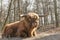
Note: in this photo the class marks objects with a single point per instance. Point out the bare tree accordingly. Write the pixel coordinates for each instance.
(7, 14)
(19, 9)
(55, 10)
(14, 8)
(0, 11)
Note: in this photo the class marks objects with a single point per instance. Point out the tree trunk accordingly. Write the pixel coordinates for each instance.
(7, 14)
(55, 10)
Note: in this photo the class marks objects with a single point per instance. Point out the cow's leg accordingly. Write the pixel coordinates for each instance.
(34, 33)
(7, 32)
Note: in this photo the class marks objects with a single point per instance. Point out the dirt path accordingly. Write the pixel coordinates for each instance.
(45, 36)
(41, 36)
(53, 34)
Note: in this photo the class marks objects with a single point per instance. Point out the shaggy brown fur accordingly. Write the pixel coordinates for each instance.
(34, 21)
(26, 27)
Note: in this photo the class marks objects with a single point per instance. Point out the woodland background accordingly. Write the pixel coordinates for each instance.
(10, 11)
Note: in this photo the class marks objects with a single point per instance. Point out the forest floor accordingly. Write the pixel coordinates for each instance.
(50, 34)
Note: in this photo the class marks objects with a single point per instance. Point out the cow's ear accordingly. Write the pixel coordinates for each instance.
(23, 15)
